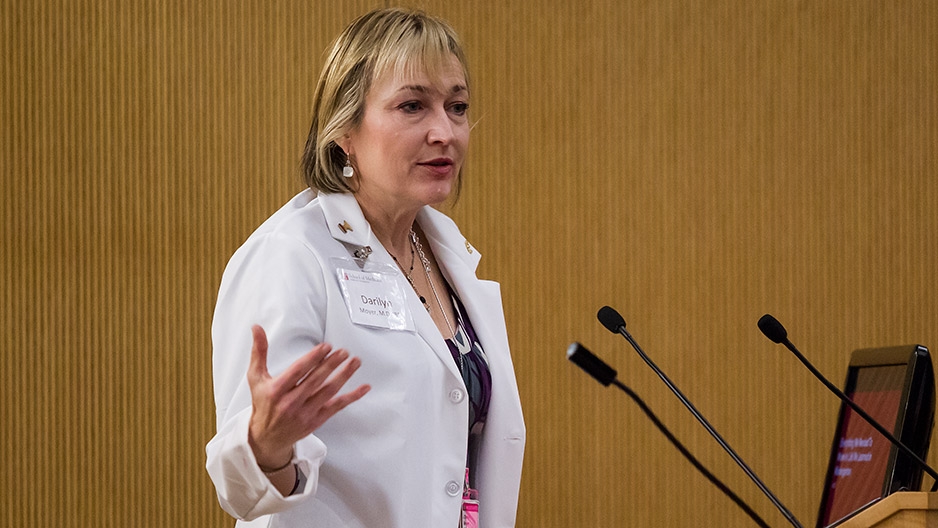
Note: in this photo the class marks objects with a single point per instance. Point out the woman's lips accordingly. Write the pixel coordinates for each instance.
(440, 166)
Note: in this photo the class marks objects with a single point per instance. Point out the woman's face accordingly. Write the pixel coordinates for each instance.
(412, 140)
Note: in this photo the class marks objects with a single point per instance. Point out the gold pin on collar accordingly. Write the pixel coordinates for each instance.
(345, 227)
(468, 247)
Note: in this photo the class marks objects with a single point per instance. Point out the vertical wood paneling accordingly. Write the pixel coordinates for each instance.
(694, 164)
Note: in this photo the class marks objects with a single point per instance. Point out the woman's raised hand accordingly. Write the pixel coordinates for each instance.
(292, 405)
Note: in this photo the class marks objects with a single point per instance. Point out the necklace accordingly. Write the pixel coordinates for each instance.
(410, 273)
(426, 268)
(461, 356)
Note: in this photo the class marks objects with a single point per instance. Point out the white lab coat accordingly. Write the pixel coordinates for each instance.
(396, 458)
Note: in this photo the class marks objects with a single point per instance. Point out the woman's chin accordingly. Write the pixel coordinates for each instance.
(438, 193)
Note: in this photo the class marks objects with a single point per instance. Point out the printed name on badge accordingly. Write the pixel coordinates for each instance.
(375, 297)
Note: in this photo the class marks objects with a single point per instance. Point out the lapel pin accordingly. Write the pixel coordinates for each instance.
(468, 247)
(345, 227)
(363, 252)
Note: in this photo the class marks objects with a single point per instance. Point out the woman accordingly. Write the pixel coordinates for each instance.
(432, 434)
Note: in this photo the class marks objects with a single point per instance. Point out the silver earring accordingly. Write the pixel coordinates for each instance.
(347, 170)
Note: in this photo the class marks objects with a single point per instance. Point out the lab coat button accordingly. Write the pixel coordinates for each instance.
(453, 488)
(455, 395)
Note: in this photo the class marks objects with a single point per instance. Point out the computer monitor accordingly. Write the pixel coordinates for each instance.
(896, 386)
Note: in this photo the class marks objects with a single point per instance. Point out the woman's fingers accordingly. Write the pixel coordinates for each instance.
(300, 399)
(322, 404)
(302, 368)
(338, 403)
(257, 369)
(319, 373)
(333, 406)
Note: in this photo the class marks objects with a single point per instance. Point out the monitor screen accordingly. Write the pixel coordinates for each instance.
(863, 453)
(896, 387)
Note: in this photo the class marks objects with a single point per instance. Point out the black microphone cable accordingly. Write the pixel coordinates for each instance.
(616, 324)
(606, 376)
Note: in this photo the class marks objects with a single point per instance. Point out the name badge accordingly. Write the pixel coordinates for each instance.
(374, 294)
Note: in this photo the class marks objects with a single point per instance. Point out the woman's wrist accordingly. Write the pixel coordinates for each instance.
(274, 470)
(287, 479)
(268, 460)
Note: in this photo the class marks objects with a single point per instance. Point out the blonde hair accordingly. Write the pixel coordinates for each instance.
(395, 41)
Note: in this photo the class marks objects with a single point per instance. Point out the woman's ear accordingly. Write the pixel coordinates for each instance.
(345, 143)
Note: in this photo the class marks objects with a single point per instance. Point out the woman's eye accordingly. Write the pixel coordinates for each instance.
(459, 108)
(410, 106)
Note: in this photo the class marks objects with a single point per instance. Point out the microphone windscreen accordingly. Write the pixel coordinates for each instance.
(772, 329)
(593, 366)
(611, 319)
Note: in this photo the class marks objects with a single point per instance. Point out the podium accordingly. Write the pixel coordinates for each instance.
(903, 509)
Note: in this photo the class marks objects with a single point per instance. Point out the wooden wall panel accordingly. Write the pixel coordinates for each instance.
(693, 164)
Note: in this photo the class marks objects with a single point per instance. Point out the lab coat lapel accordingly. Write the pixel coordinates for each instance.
(347, 224)
(345, 220)
(432, 222)
(459, 260)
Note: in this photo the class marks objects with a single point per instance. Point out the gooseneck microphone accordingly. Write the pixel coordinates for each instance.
(606, 375)
(777, 334)
(616, 324)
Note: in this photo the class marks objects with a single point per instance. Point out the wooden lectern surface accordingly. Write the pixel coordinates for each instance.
(906, 509)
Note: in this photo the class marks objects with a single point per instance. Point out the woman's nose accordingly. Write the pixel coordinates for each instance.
(441, 127)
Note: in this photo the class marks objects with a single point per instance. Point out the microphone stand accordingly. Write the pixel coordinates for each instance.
(770, 327)
(606, 376)
(620, 328)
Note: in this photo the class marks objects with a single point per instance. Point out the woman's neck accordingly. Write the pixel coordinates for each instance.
(392, 227)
